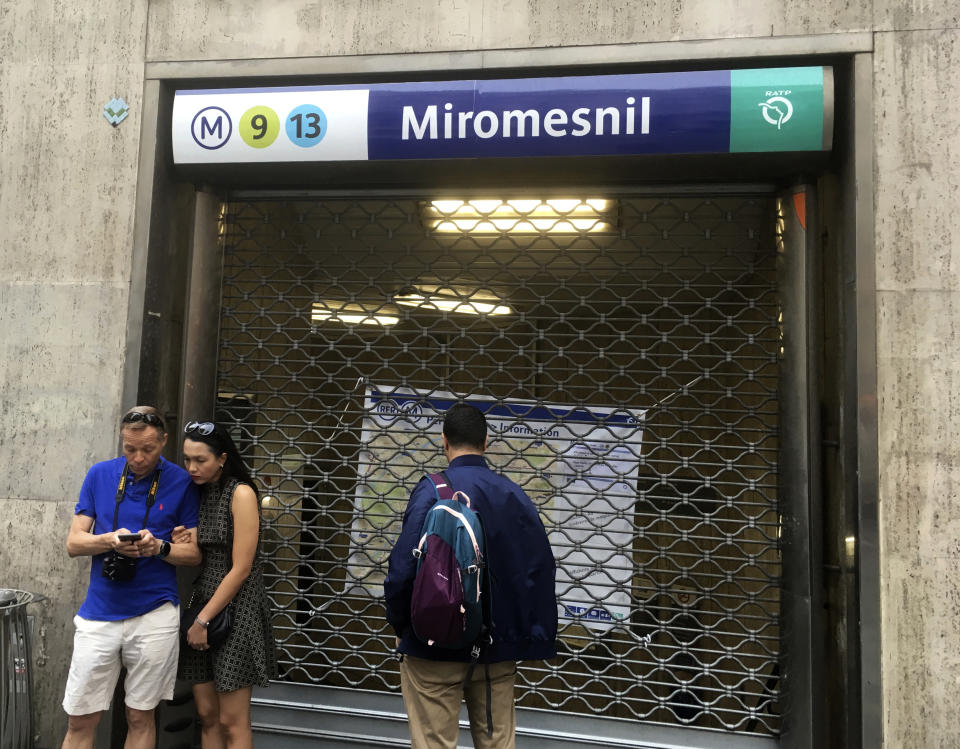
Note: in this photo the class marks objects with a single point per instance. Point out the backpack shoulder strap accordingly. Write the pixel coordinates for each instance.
(441, 485)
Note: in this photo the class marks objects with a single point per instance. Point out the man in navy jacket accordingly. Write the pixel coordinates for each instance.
(521, 576)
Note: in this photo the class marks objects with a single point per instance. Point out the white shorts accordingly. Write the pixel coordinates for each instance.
(147, 645)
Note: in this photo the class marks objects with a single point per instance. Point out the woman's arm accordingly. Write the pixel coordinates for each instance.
(246, 529)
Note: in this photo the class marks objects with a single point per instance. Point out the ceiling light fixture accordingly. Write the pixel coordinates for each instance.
(521, 216)
(446, 303)
(333, 310)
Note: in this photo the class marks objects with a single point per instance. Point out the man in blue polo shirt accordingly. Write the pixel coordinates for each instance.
(130, 617)
(521, 573)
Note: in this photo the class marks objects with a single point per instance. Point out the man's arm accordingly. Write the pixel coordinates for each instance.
(81, 542)
(184, 553)
(401, 565)
(184, 545)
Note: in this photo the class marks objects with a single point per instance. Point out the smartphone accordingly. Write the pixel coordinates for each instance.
(128, 538)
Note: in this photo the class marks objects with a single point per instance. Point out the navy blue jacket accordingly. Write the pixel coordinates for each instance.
(521, 568)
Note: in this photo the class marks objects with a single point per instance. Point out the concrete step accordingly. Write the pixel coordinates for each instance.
(291, 716)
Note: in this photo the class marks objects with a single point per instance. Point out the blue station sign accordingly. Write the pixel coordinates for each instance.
(716, 111)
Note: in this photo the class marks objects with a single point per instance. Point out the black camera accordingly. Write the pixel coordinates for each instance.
(118, 568)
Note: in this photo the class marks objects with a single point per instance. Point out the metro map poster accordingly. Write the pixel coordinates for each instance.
(578, 465)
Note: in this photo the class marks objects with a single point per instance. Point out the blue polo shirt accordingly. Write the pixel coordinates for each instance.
(177, 503)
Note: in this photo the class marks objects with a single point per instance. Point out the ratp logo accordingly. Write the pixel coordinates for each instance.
(390, 409)
(211, 128)
(777, 109)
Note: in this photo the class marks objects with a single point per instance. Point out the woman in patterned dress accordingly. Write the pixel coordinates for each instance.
(229, 536)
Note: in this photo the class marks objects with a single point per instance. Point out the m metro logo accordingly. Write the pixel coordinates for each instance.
(211, 128)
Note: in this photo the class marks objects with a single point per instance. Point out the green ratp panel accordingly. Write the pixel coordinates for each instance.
(776, 109)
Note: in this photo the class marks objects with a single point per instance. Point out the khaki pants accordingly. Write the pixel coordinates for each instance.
(432, 692)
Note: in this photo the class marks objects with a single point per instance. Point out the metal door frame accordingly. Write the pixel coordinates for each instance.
(200, 386)
(156, 209)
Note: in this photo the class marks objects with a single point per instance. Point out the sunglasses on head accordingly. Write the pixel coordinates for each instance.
(203, 428)
(134, 416)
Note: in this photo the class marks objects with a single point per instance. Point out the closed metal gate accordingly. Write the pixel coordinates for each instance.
(628, 347)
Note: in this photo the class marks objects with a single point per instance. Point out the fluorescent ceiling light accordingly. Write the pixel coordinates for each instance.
(521, 216)
(334, 310)
(448, 303)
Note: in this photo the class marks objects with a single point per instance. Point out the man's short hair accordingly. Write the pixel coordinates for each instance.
(139, 418)
(465, 426)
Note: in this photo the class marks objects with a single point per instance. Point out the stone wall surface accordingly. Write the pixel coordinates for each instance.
(912, 15)
(67, 187)
(205, 30)
(918, 333)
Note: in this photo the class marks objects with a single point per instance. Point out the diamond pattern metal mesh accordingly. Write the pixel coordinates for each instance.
(667, 306)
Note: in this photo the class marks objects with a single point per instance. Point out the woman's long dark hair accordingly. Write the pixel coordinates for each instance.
(219, 441)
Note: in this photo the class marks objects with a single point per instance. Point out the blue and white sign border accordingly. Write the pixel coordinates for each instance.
(707, 111)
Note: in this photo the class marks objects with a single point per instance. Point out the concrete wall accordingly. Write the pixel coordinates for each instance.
(67, 186)
(200, 29)
(68, 181)
(918, 283)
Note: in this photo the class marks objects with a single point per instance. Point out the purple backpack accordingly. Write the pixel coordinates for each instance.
(446, 609)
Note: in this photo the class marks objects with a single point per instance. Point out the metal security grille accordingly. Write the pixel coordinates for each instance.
(635, 338)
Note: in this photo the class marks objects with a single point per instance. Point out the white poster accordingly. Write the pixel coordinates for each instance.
(579, 466)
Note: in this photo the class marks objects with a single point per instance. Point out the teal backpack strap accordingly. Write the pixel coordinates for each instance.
(441, 485)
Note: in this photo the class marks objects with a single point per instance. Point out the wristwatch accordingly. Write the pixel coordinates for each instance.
(164, 549)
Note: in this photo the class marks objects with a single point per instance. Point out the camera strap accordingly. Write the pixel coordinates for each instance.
(122, 489)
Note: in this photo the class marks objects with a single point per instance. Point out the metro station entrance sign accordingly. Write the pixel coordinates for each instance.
(715, 111)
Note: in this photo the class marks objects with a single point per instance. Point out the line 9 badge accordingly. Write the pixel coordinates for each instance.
(259, 127)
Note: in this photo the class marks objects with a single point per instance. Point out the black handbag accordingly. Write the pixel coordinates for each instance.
(219, 628)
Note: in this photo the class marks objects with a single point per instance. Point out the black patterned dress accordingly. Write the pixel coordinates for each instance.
(248, 657)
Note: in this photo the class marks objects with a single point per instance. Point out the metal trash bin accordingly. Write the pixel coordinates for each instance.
(16, 669)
